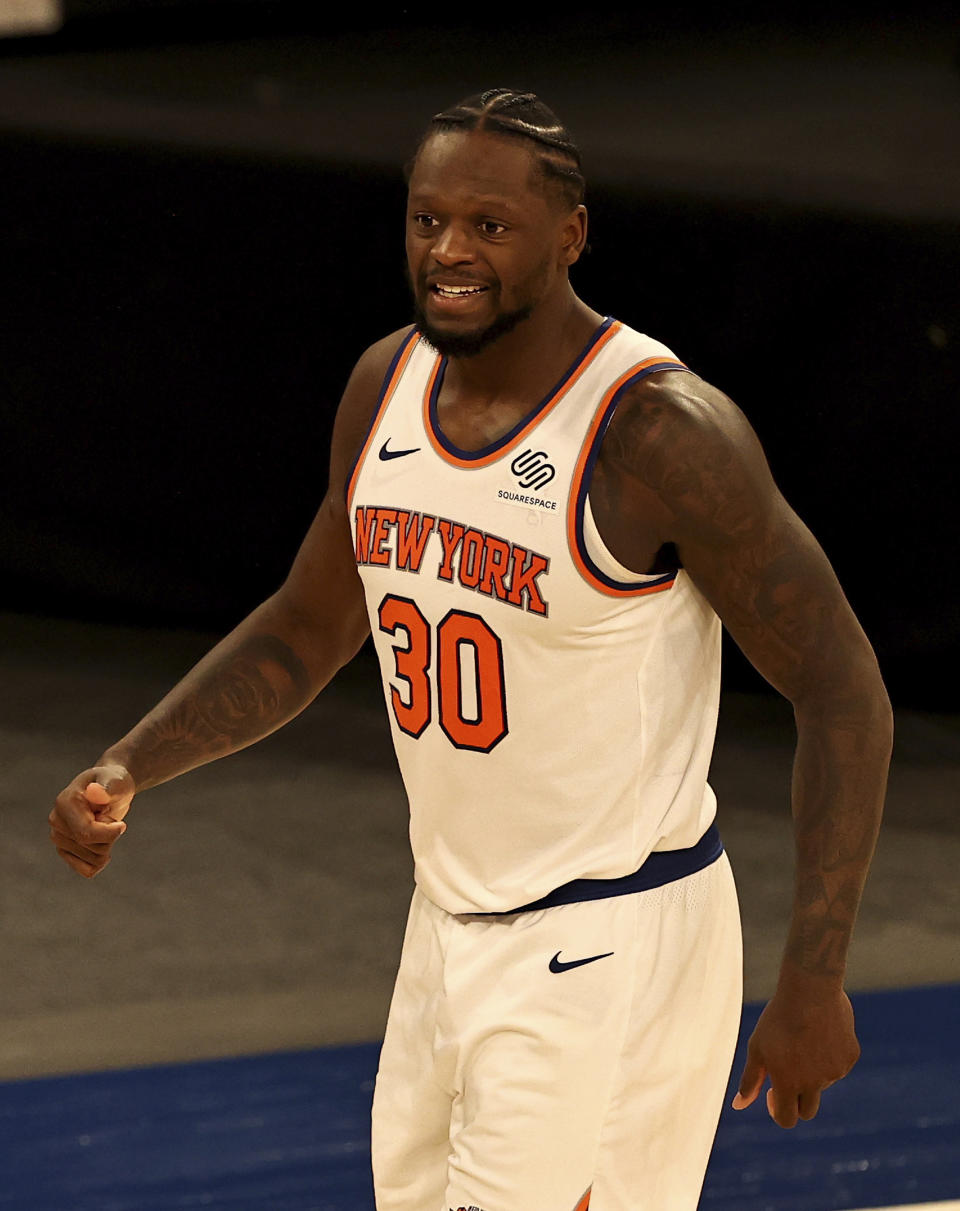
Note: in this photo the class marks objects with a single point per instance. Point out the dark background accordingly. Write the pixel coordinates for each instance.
(201, 230)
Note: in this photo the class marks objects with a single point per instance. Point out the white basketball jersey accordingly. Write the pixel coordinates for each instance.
(553, 713)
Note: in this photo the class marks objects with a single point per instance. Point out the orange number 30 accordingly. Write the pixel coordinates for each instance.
(470, 683)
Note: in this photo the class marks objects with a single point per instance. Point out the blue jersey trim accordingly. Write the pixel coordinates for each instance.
(474, 455)
(584, 488)
(661, 867)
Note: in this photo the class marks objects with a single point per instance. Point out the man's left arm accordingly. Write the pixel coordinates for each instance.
(694, 456)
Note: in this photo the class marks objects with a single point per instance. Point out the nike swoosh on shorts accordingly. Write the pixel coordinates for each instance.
(556, 965)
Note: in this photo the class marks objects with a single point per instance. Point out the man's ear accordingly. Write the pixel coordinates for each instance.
(573, 236)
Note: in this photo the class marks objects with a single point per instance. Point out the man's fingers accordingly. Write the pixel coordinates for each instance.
(89, 853)
(83, 841)
(78, 820)
(751, 1082)
(99, 832)
(106, 829)
(809, 1104)
(87, 817)
(110, 791)
(109, 799)
(782, 1107)
(87, 869)
(85, 860)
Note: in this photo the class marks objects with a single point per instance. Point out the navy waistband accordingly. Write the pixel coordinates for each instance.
(662, 866)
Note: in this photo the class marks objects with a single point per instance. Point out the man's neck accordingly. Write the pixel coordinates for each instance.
(522, 364)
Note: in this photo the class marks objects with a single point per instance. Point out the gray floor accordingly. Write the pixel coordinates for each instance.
(258, 904)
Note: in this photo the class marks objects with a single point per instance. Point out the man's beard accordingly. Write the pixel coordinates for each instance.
(469, 344)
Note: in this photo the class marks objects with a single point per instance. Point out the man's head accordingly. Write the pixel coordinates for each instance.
(495, 218)
(523, 116)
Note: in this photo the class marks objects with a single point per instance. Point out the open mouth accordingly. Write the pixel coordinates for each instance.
(444, 291)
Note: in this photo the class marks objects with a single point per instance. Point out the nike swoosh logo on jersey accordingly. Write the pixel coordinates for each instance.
(556, 966)
(386, 455)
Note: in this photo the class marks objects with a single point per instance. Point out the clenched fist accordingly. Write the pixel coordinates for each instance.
(87, 818)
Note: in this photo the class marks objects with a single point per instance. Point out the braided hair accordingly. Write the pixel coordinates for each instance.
(520, 115)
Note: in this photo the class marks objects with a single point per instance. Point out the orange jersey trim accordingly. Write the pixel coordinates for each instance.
(392, 378)
(579, 488)
(538, 414)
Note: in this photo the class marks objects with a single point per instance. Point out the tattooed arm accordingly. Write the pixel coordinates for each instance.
(261, 675)
(680, 465)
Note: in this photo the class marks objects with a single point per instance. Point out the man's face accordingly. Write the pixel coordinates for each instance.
(483, 239)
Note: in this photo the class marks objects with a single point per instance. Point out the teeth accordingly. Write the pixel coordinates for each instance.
(454, 291)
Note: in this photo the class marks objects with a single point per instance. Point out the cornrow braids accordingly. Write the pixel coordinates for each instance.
(521, 115)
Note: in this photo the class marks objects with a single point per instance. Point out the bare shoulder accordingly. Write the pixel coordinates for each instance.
(323, 585)
(358, 402)
(683, 441)
(374, 362)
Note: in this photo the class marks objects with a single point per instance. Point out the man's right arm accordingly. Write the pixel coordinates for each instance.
(256, 679)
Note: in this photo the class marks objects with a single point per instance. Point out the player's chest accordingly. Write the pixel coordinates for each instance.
(496, 532)
(476, 426)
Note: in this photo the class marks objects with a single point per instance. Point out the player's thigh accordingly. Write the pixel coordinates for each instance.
(411, 1105)
(543, 1003)
(593, 1077)
(675, 1063)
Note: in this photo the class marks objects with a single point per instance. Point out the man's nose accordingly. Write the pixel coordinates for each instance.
(454, 246)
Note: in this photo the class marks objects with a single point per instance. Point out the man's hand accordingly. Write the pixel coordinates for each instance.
(87, 818)
(803, 1044)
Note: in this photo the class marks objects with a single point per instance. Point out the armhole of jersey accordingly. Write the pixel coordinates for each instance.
(602, 557)
(590, 555)
(393, 375)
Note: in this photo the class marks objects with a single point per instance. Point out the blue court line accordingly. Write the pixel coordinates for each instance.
(289, 1132)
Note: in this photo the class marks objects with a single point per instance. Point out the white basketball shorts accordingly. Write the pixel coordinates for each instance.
(562, 1058)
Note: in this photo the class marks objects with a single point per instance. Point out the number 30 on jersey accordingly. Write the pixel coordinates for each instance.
(472, 706)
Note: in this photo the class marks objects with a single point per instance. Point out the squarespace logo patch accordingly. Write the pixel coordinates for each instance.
(532, 469)
(533, 472)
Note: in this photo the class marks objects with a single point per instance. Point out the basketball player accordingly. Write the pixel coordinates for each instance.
(542, 516)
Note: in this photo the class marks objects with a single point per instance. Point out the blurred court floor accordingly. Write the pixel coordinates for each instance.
(258, 904)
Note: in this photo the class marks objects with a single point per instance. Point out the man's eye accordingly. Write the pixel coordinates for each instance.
(489, 227)
(424, 221)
